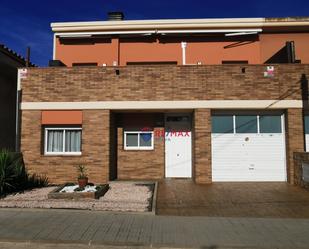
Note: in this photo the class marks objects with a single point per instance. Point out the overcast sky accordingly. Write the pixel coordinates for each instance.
(27, 23)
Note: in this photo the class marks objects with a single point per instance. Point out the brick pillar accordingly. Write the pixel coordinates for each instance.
(294, 139)
(96, 142)
(202, 146)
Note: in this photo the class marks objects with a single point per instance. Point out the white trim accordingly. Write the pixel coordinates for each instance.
(241, 33)
(183, 47)
(179, 23)
(234, 124)
(138, 147)
(150, 105)
(284, 144)
(143, 32)
(158, 21)
(54, 46)
(89, 34)
(64, 129)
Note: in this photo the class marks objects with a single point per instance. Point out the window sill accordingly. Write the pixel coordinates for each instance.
(62, 154)
(138, 149)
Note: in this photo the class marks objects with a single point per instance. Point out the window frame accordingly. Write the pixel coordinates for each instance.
(64, 129)
(138, 147)
(271, 115)
(232, 131)
(258, 115)
(257, 123)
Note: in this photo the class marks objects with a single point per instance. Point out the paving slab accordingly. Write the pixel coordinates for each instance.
(101, 228)
(182, 197)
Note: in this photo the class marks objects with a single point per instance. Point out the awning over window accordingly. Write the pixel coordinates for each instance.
(62, 117)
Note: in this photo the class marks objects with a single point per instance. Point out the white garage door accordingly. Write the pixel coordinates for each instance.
(248, 147)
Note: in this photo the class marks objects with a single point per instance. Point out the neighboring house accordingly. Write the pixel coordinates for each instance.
(154, 119)
(9, 62)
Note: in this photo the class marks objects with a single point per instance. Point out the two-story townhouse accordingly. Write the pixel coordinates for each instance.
(151, 100)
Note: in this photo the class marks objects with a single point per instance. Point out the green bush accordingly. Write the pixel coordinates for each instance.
(13, 175)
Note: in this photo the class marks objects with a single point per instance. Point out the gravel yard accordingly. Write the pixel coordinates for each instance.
(122, 196)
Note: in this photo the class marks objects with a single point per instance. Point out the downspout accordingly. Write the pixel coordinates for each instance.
(183, 46)
(54, 46)
(17, 114)
(118, 51)
(305, 111)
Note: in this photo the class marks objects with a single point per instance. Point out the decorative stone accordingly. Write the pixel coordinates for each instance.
(57, 194)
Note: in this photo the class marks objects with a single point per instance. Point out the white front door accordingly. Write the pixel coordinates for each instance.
(178, 148)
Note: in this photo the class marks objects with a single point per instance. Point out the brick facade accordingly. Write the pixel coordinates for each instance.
(294, 139)
(103, 147)
(141, 164)
(299, 159)
(141, 83)
(60, 169)
(202, 145)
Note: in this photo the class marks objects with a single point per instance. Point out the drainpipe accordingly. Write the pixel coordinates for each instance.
(305, 100)
(17, 114)
(183, 46)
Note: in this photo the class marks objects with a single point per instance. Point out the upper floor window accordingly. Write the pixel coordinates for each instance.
(84, 64)
(133, 63)
(235, 62)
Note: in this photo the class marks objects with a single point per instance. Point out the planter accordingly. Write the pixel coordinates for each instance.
(100, 191)
(82, 182)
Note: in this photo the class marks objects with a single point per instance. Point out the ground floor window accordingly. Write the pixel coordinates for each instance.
(138, 140)
(62, 141)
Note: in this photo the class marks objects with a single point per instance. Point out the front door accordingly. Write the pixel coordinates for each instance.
(178, 148)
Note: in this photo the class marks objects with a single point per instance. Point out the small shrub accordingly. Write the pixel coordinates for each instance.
(13, 175)
(37, 181)
(12, 171)
(81, 169)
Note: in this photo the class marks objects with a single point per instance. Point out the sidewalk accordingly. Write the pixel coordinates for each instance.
(91, 228)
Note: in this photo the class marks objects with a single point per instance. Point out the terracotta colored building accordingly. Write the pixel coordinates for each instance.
(151, 100)
(181, 42)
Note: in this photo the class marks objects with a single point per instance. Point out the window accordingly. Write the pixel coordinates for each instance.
(234, 62)
(139, 63)
(222, 124)
(246, 124)
(62, 141)
(270, 124)
(84, 64)
(138, 140)
(177, 119)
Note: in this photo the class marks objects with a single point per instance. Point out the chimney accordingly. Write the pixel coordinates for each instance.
(115, 16)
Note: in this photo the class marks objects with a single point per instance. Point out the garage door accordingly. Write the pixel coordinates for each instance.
(248, 147)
